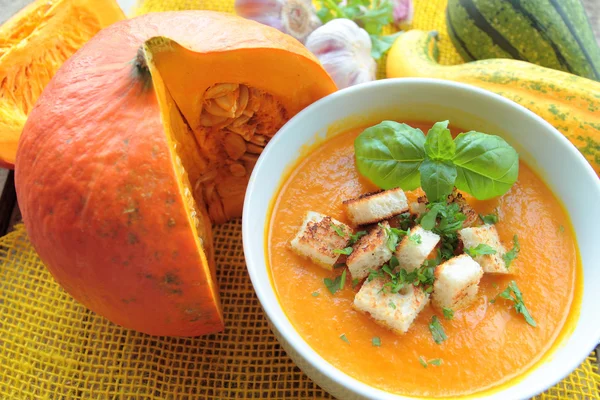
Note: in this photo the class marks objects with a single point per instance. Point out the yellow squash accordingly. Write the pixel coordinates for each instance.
(569, 102)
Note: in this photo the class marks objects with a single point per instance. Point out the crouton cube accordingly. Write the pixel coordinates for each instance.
(319, 236)
(416, 247)
(486, 234)
(456, 283)
(395, 311)
(370, 252)
(419, 207)
(465, 208)
(375, 207)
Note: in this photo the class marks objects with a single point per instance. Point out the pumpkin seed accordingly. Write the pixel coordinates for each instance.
(235, 146)
(220, 89)
(237, 170)
(254, 149)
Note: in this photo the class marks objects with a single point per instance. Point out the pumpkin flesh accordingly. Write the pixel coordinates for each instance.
(125, 228)
(33, 45)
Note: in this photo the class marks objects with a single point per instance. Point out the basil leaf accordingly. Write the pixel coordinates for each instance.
(486, 165)
(438, 143)
(381, 44)
(437, 178)
(389, 154)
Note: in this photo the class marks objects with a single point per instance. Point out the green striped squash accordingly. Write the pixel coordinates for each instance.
(551, 33)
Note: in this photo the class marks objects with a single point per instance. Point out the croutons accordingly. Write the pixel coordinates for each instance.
(317, 239)
(465, 208)
(415, 247)
(456, 283)
(395, 311)
(486, 234)
(419, 207)
(375, 207)
(370, 252)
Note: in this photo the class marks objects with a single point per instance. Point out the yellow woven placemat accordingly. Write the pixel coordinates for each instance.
(53, 348)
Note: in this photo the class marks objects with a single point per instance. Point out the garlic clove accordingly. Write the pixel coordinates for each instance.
(344, 50)
(297, 18)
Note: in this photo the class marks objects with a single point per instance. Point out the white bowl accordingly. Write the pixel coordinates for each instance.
(541, 146)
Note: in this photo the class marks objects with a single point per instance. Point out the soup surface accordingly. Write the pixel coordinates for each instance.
(488, 343)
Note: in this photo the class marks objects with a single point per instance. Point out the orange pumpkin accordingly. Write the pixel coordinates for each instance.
(34, 43)
(126, 154)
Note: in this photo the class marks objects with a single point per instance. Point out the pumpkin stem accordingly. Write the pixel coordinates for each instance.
(141, 69)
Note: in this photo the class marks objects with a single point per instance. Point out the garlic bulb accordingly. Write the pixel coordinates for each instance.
(297, 18)
(344, 50)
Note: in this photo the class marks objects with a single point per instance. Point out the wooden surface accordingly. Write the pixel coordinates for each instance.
(9, 211)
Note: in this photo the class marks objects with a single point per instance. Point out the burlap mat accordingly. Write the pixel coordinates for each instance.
(53, 348)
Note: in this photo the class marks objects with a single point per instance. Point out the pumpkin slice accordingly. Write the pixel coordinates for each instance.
(33, 45)
(144, 137)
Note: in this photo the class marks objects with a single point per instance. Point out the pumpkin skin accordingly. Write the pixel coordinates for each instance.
(34, 43)
(103, 193)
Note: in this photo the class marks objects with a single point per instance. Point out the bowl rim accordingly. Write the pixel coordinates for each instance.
(285, 326)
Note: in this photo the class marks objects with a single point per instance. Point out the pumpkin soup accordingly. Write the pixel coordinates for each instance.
(458, 334)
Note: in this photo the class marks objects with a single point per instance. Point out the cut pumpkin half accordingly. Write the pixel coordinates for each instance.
(33, 45)
(154, 128)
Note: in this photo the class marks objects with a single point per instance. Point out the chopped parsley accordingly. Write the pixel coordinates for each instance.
(513, 294)
(343, 280)
(406, 220)
(494, 285)
(346, 251)
(489, 219)
(415, 238)
(561, 228)
(434, 361)
(354, 237)
(444, 220)
(315, 294)
(338, 230)
(437, 330)
(480, 250)
(355, 283)
(448, 313)
(394, 235)
(344, 338)
(376, 341)
(392, 305)
(335, 284)
(423, 276)
(510, 255)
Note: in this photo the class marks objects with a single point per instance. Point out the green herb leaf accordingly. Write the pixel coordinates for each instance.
(437, 178)
(338, 230)
(448, 313)
(344, 338)
(561, 228)
(415, 238)
(438, 142)
(517, 299)
(489, 219)
(389, 154)
(355, 282)
(436, 361)
(405, 220)
(486, 165)
(437, 331)
(381, 44)
(315, 294)
(376, 341)
(343, 280)
(391, 304)
(339, 265)
(335, 284)
(373, 274)
(356, 236)
(347, 251)
(480, 250)
(423, 362)
(429, 219)
(511, 255)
